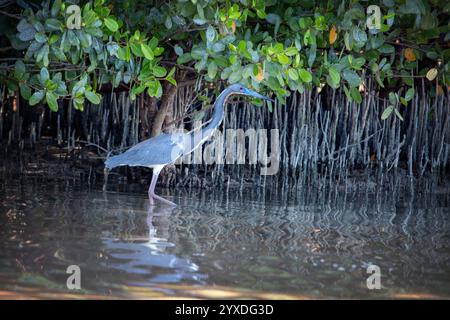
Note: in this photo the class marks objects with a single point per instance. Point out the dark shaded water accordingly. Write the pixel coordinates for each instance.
(240, 245)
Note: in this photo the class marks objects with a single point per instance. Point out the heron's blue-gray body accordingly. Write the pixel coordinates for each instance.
(157, 151)
(165, 148)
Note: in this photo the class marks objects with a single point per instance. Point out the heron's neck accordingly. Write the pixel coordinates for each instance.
(218, 112)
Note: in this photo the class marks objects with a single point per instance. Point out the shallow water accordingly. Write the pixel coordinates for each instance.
(212, 245)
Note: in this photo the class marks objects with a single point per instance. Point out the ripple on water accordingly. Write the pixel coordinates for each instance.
(312, 245)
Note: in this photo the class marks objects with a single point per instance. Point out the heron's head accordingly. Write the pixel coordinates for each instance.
(240, 89)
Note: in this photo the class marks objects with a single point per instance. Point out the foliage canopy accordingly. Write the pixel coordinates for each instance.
(272, 46)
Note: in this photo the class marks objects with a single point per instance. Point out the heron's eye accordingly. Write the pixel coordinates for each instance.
(241, 89)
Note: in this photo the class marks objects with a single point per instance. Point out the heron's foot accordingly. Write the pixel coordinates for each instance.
(152, 197)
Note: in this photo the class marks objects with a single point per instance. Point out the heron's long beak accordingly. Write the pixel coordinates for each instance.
(260, 96)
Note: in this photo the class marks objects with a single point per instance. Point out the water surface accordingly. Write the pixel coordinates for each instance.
(238, 245)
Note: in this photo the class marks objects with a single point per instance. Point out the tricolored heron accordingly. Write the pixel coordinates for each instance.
(165, 149)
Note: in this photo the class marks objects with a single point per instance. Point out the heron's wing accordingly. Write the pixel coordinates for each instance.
(160, 150)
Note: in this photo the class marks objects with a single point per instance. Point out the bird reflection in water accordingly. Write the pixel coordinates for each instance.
(149, 256)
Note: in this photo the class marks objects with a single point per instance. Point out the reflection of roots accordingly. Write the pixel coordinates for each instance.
(211, 177)
(194, 178)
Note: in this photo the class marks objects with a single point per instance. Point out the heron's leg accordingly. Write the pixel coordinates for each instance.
(151, 188)
(151, 191)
